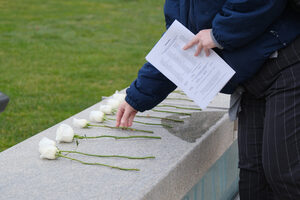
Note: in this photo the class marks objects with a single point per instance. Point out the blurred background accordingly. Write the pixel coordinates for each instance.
(58, 57)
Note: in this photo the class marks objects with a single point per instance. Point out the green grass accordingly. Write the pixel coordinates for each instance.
(58, 57)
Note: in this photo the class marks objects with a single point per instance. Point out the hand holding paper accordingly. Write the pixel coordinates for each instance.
(203, 41)
(200, 77)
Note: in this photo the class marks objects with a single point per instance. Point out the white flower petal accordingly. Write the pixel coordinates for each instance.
(64, 133)
(48, 152)
(80, 123)
(96, 116)
(119, 96)
(47, 142)
(107, 109)
(114, 103)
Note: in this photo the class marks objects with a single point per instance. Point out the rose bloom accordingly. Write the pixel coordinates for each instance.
(114, 103)
(64, 133)
(96, 116)
(107, 109)
(47, 149)
(80, 123)
(119, 96)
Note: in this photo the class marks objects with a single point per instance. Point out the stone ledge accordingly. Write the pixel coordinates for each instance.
(178, 165)
(194, 164)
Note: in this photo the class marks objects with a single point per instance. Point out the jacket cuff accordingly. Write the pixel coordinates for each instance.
(221, 42)
(133, 104)
(215, 41)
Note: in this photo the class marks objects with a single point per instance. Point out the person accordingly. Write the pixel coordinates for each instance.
(3, 101)
(245, 34)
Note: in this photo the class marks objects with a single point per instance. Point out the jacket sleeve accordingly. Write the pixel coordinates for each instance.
(149, 89)
(171, 10)
(241, 21)
(151, 86)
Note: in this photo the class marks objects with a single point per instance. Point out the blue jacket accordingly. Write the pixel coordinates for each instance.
(248, 30)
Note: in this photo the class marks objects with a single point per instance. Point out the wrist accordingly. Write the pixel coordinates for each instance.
(214, 40)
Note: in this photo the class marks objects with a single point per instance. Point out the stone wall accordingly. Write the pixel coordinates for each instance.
(184, 155)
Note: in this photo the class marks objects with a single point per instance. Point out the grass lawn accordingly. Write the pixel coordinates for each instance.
(58, 57)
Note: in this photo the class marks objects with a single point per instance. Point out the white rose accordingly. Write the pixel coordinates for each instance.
(47, 149)
(96, 116)
(114, 103)
(46, 141)
(64, 133)
(119, 96)
(107, 109)
(48, 152)
(80, 123)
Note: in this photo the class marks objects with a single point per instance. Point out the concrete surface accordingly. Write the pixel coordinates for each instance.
(179, 162)
(220, 182)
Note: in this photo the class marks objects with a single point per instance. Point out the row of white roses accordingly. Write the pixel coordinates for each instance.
(49, 150)
(65, 133)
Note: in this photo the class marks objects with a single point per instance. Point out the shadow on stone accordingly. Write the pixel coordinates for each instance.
(194, 126)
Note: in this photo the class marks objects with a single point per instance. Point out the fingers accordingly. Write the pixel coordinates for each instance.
(120, 114)
(206, 50)
(203, 40)
(199, 48)
(130, 119)
(191, 43)
(125, 117)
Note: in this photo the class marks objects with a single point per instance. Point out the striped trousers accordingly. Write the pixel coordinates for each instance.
(269, 131)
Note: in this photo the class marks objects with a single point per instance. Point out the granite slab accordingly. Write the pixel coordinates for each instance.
(183, 155)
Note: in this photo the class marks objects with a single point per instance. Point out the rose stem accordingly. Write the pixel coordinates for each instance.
(146, 123)
(108, 156)
(116, 137)
(183, 99)
(126, 128)
(166, 111)
(178, 92)
(179, 107)
(174, 120)
(110, 166)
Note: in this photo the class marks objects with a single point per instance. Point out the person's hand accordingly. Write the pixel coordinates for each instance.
(125, 115)
(203, 41)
